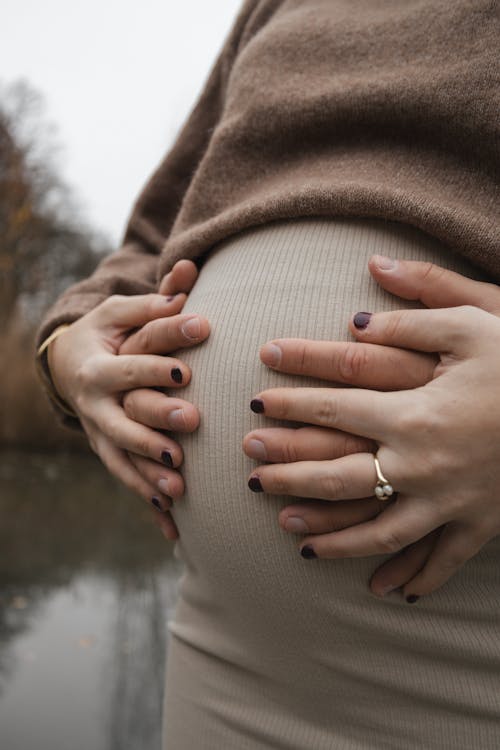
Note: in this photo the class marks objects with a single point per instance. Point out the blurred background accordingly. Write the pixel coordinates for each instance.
(91, 96)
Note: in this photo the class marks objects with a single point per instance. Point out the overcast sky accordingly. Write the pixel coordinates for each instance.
(119, 77)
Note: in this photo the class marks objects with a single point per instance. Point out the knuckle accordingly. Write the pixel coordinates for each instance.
(290, 452)
(113, 431)
(326, 412)
(112, 302)
(389, 542)
(86, 375)
(280, 482)
(352, 362)
(332, 485)
(145, 338)
(430, 273)
(128, 374)
(452, 561)
(81, 403)
(396, 325)
(302, 358)
(129, 405)
(417, 419)
(281, 406)
(143, 447)
(152, 303)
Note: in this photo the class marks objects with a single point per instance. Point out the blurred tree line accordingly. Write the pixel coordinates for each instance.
(45, 246)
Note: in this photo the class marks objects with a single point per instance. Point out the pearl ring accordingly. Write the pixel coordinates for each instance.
(383, 489)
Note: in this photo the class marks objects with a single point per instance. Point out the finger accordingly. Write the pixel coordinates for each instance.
(118, 464)
(446, 330)
(127, 371)
(286, 445)
(400, 525)
(404, 566)
(166, 481)
(154, 409)
(433, 285)
(165, 335)
(320, 516)
(134, 310)
(363, 412)
(456, 545)
(166, 524)
(136, 438)
(350, 362)
(180, 279)
(346, 478)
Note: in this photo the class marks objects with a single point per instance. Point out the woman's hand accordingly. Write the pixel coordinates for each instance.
(91, 377)
(431, 285)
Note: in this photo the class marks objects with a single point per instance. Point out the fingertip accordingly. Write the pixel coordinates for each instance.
(383, 264)
(254, 448)
(204, 328)
(381, 589)
(271, 354)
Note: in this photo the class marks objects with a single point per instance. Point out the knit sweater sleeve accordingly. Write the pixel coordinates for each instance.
(132, 269)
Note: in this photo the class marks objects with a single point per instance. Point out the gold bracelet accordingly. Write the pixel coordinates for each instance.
(43, 370)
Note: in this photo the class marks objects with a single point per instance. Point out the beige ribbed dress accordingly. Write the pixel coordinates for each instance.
(268, 650)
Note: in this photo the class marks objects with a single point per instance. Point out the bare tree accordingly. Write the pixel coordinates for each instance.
(44, 245)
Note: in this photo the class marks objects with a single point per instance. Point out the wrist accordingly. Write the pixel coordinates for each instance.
(47, 370)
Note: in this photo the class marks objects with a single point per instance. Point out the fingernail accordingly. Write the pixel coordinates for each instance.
(308, 552)
(176, 374)
(385, 263)
(361, 320)
(170, 297)
(166, 457)
(412, 598)
(387, 590)
(163, 486)
(158, 504)
(257, 405)
(271, 355)
(296, 525)
(176, 419)
(191, 328)
(255, 484)
(257, 449)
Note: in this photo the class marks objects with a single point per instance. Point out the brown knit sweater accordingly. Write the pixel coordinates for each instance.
(368, 108)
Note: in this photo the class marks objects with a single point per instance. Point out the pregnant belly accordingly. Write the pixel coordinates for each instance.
(297, 278)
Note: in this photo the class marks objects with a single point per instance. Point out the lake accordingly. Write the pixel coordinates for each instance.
(87, 584)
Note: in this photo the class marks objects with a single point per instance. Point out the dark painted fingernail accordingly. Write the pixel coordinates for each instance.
(361, 320)
(308, 552)
(157, 503)
(170, 297)
(166, 457)
(412, 598)
(257, 405)
(176, 374)
(255, 485)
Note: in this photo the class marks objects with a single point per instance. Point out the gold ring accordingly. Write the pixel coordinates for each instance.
(383, 489)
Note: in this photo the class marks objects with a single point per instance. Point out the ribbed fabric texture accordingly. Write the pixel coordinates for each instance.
(268, 650)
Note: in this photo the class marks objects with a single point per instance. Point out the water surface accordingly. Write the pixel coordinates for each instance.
(87, 584)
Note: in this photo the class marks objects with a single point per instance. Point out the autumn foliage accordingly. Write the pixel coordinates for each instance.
(44, 247)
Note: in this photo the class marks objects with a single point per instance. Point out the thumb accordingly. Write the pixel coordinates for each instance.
(433, 285)
(180, 279)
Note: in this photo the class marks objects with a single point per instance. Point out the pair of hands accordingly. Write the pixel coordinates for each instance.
(437, 440)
